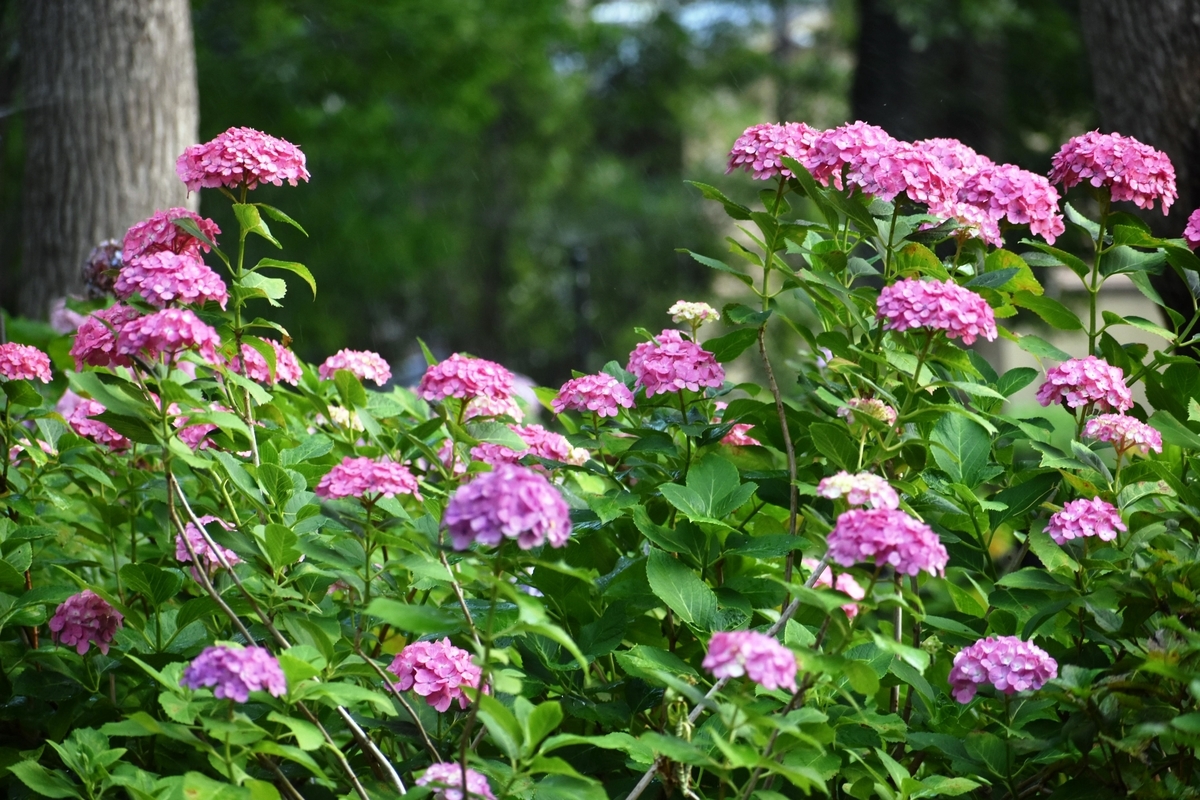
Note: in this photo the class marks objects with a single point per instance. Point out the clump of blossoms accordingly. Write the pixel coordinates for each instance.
(671, 363)
(762, 148)
(886, 536)
(287, 366)
(85, 619)
(761, 658)
(694, 314)
(369, 479)
(1124, 433)
(538, 442)
(863, 489)
(464, 377)
(938, 305)
(206, 557)
(1081, 518)
(483, 406)
(241, 157)
(167, 332)
(1005, 662)
(96, 340)
(1131, 170)
(446, 778)
(1191, 232)
(80, 420)
(1007, 191)
(365, 365)
(739, 434)
(872, 407)
(23, 362)
(510, 502)
(164, 277)
(159, 233)
(600, 394)
(234, 672)
(844, 583)
(857, 153)
(1083, 381)
(436, 671)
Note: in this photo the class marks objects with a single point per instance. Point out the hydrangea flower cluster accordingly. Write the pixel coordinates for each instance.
(235, 672)
(23, 362)
(694, 314)
(739, 436)
(159, 233)
(761, 658)
(863, 489)
(844, 583)
(163, 277)
(206, 556)
(96, 340)
(446, 777)
(538, 442)
(167, 332)
(939, 305)
(1007, 191)
(1083, 381)
(511, 502)
(1131, 170)
(365, 365)
(863, 152)
(886, 536)
(287, 366)
(80, 420)
(484, 406)
(437, 671)
(1191, 232)
(671, 363)
(241, 157)
(85, 619)
(872, 407)
(1124, 433)
(761, 149)
(601, 394)
(463, 377)
(1080, 518)
(367, 478)
(1005, 662)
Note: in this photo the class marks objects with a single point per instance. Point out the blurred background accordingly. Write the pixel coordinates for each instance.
(504, 177)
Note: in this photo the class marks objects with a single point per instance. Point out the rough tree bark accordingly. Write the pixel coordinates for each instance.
(110, 102)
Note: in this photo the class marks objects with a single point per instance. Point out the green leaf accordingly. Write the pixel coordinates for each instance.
(414, 619)
(681, 590)
(257, 285)
(279, 216)
(1073, 216)
(966, 448)
(280, 544)
(1173, 431)
(1053, 312)
(43, 781)
(719, 265)
(292, 267)
(739, 314)
(154, 583)
(1015, 380)
(1122, 259)
(308, 736)
(1057, 258)
(728, 347)
(939, 786)
(496, 433)
(643, 661)
(1033, 578)
(735, 210)
(834, 442)
(350, 389)
(991, 750)
(568, 787)
(251, 221)
(537, 722)
(916, 258)
(505, 731)
(22, 393)
(712, 478)
(1023, 279)
(1036, 345)
(992, 280)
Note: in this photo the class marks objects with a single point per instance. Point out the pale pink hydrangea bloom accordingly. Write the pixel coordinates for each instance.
(1084, 381)
(168, 332)
(68, 403)
(1080, 518)
(464, 377)
(206, 556)
(16, 450)
(862, 489)
(367, 478)
(85, 619)
(484, 406)
(287, 366)
(80, 420)
(844, 583)
(1124, 433)
(1191, 233)
(511, 502)
(365, 364)
(671, 363)
(943, 306)
(163, 277)
(694, 314)
(761, 658)
(739, 436)
(437, 671)
(158, 233)
(241, 157)
(23, 362)
(538, 441)
(235, 672)
(96, 340)
(872, 407)
(602, 394)
(63, 319)
(886, 536)
(761, 149)
(446, 778)
(1005, 662)
(1130, 169)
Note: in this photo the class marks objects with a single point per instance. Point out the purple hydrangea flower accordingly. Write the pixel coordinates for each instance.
(363, 477)
(1005, 662)
(446, 777)
(761, 658)
(234, 672)
(1124, 433)
(437, 671)
(887, 536)
(939, 305)
(1082, 381)
(671, 363)
(603, 394)
(1080, 518)
(511, 501)
(85, 619)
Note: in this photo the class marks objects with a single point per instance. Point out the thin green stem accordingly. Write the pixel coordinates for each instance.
(1093, 287)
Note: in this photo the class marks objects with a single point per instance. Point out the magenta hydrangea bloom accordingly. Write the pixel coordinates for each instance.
(1124, 433)
(1130, 169)
(1005, 662)
(159, 233)
(287, 366)
(446, 778)
(863, 151)
(872, 407)
(761, 149)
(437, 671)
(943, 306)
(511, 502)
(886, 536)
(761, 658)
(367, 366)
(233, 673)
(464, 377)
(1191, 233)
(367, 478)
(1005, 191)
(1084, 381)
(1080, 518)
(206, 557)
(194, 436)
(602, 394)
(85, 619)
(863, 489)
(844, 583)
(23, 362)
(739, 436)
(538, 442)
(164, 277)
(956, 160)
(80, 420)
(96, 340)
(671, 363)
(241, 157)
(168, 332)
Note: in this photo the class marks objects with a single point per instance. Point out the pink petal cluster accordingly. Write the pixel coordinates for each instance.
(671, 363)
(957, 161)
(944, 306)
(96, 340)
(1130, 169)
(235, 672)
(167, 332)
(1007, 191)
(1083, 381)
(761, 658)
(886, 536)
(602, 394)
(206, 556)
(872, 407)
(511, 502)
(287, 366)
(464, 377)
(85, 619)
(366, 365)
(241, 157)
(159, 233)
(863, 153)
(367, 478)
(163, 277)
(23, 362)
(446, 777)
(761, 149)
(844, 583)
(1080, 518)
(484, 406)
(437, 671)
(863, 489)
(1005, 662)
(538, 442)
(80, 420)
(1124, 433)
(194, 436)
(739, 436)
(1191, 233)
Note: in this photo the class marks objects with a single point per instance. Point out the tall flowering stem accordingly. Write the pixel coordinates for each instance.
(1093, 285)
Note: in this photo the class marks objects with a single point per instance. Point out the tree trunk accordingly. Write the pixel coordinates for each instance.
(110, 103)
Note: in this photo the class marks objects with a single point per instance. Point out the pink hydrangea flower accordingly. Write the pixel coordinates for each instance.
(1130, 169)
(85, 619)
(862, 489)
(159, 233)
(80, 420)
(844, 583)
(446, 777)
(162, 278)
(1085, 381)
(943, 306)
(671, 363)
(168, 332)
(1080, 518)
(602, 394)
(886, 536)
(762, 148)
(1191, 233)
(96, 340)
(1005, 662)
(235, 672)
(863, 152)
(484, 406)
(538, 442)
(739, 436)
(1007, 191)
(287, 366)
(1124, 433)
(194, 436)
(437, 671)
(367, 478)
(23, 362)
(464, 377)
(241, 157)
(510, 502)
(956, 160)
(367, 366)
(206, 556)
(872, 407)
(761, 658)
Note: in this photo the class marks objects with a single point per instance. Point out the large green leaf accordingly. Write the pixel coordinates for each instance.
(964, 450)
(681, 590)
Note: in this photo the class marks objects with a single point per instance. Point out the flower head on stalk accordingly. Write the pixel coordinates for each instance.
(85, 619)
(1191, 233)
(761, 149)
(1131, 170)
(886, 536)
(241, 157)
(168, 332)
(1086, 381)
(159, 233)
(464, 377)
(538, 442)
(1005, 662)
(96, 340)
(937, 305)
(437, 671)
(80, 420)
(761, 658)
(671, 363)
(369, 479)
(862, 489)
(844, 583)
(872, 407)
(694, 314)
(1081, 518)
(1124, 433)
(23, 362)
(600, 394)
(511, 502)
(446, 777)
(1005, 191)
(234, 672)
(287, 366)
(207, 558)
(365, 365)
(163, 278)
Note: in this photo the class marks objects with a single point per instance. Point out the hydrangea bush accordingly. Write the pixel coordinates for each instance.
(228, 573)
